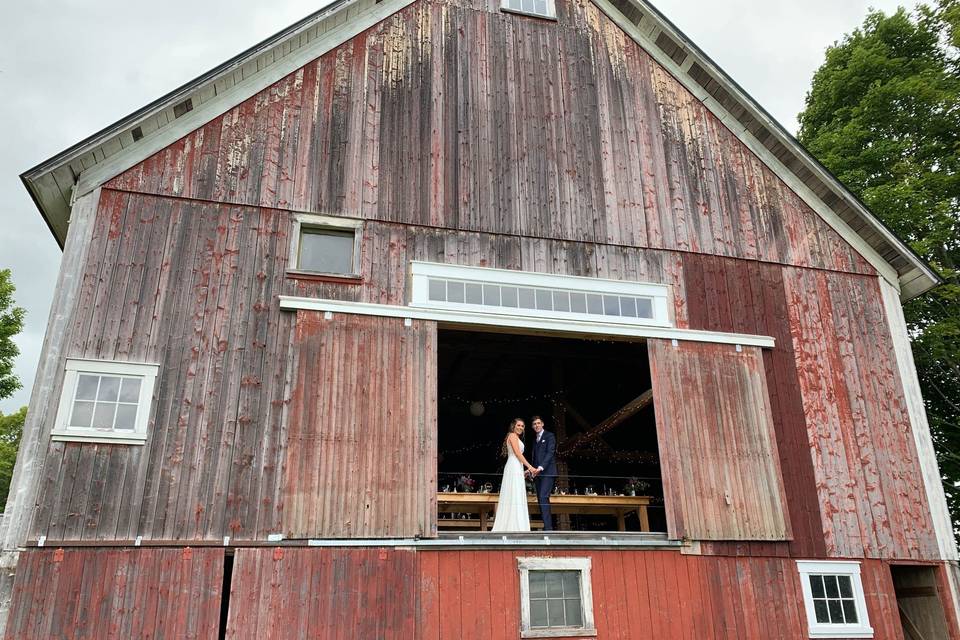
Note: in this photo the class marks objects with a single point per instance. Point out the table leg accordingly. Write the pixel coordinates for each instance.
(621, 524)
(644, 519)
(483, 519)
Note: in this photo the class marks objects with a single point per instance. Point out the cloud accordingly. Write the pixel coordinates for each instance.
(69, 68)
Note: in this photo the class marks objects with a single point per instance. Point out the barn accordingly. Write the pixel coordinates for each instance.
(303, 296)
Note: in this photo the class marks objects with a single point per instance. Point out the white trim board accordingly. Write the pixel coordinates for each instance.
(919, 425)
(466, 318)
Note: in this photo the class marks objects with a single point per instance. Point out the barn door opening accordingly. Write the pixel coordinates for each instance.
(919, 603)
(593, 394)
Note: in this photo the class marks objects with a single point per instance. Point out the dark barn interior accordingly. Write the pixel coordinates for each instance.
(593, 394)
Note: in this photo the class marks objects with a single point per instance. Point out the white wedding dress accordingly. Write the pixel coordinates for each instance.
(512, 512)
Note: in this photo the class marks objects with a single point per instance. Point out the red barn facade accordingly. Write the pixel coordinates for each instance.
(301, 295)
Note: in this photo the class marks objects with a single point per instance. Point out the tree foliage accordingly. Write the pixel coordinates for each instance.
(883, 114)
(11, 323)
(11, 428)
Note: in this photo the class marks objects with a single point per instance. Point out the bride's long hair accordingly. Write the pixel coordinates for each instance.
(503, 449)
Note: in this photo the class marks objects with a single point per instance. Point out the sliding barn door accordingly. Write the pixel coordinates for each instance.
(360, 453)
(718, 451)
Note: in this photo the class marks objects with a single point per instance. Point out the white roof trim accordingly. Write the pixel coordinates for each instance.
(87, 165)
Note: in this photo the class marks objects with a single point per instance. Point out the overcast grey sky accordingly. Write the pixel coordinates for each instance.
(69, 68)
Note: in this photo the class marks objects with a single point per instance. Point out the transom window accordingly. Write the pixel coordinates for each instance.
(326, 245)
(539, 8)
(105, 401)
(834, 600)
(541, 295)
(556, 597)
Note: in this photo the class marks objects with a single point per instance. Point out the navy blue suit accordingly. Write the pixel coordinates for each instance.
(544, 455)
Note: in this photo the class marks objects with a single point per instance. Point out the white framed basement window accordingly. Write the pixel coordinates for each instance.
(538, 295)
(834, 600)
(325, 246)
(538, 8)
(105, 401)
(556, 598)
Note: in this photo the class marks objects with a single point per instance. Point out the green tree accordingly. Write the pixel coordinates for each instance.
(11, 323)
(11, 428)
(883, 114)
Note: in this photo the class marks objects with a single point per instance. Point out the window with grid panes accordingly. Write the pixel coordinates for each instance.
(834, 599)
(539, 8)
(105, 401)
(556, 597)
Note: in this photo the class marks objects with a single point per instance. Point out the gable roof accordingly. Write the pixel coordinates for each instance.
(54, 184)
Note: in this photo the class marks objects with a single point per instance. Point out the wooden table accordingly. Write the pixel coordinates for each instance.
(484, 505)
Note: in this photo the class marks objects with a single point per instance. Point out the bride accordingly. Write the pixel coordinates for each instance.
(512, 511)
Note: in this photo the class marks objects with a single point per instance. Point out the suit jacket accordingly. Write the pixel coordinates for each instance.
(545, 453)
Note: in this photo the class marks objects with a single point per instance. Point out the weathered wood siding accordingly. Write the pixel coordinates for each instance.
(869, 481)
(749, 297)
(849, 463)
(457, 115)
(361, 438)
(475, 595)
(165, 279)
(178, 283)
(313, 594)
(101, 594)
(718, 449)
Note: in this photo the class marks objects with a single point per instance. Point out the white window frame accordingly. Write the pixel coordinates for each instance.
(308, 221)
(550, 15)
(421, 272)
(74, 367)
(834, 568)
(586, 597)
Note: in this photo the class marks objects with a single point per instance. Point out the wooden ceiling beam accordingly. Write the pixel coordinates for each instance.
(627, 411)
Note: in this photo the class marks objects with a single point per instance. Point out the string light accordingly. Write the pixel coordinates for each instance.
(536, 396)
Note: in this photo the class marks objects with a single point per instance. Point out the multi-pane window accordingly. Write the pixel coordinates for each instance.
(326, 245)
(538, 295)
(539, 8)
(540, 299)
(556, 597)
(834, 600)
(105, 401)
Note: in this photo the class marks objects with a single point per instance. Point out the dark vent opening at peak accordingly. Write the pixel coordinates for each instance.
(183, 107)
(137, 134)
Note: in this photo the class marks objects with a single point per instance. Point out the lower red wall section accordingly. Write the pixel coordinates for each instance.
(404, 594)
(302, 592)
(102, 594)
(475, 595)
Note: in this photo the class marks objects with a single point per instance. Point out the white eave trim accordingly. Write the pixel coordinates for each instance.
(467, 318)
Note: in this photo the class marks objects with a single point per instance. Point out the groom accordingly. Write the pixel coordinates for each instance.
(544, 459)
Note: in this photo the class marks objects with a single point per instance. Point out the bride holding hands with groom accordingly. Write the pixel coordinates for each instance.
(512, 512)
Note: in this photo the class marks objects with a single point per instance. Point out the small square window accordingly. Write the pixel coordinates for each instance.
(326, 245)
(538, 8)
(326, 251)
(834, 600)
(556, 597)
(105, 401)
